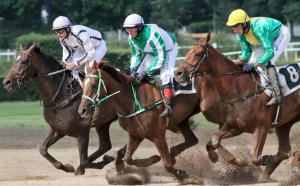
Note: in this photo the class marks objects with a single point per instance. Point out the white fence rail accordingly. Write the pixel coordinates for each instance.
(7, 55)
(293, 47)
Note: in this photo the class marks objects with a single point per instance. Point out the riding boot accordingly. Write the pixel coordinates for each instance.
(276, 96)
(168, 93)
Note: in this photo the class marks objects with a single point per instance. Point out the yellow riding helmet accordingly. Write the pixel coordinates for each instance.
(237, 16)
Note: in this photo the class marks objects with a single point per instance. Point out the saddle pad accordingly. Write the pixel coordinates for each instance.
(289, 78)
(186, 88)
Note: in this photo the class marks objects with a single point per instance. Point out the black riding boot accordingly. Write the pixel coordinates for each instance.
(276, 96)
(168, 107)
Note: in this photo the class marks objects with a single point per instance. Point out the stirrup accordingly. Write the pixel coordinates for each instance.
(166, 113)
(272, 101)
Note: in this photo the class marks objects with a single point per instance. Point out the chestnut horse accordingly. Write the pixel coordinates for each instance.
(233, 98)
(60, 95)
(107, 81)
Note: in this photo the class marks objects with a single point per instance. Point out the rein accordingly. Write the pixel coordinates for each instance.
(203, 74)
(137, 108)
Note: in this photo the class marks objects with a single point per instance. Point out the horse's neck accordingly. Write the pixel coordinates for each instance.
(227, 86)
(48, 86)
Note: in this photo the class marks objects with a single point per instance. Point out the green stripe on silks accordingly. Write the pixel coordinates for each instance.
(157, 55)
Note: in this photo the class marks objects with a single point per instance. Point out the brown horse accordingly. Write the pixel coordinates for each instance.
(233, 99)
(60, 96)
(146, 124)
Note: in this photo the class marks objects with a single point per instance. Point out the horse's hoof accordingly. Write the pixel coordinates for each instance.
(79, 171)
(173, 160)
(213, 156)
(181, 174)
(107, 158)
(267, 160)
(264, 177)
(68, 168)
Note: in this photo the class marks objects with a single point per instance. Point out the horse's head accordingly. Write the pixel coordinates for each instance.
(21, 69)
(193, 60)
(92, 85)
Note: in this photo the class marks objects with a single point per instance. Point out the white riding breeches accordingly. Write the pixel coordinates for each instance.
(167, 68)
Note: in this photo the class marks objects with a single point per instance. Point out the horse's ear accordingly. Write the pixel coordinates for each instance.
(32, 47)
(100, 65)
(208, 37)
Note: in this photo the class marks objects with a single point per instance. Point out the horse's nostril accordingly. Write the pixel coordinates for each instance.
(7, 82)
(179, 73)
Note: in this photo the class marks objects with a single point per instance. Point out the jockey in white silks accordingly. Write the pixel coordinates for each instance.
(81, 45)
(159, 49)
(262, 40)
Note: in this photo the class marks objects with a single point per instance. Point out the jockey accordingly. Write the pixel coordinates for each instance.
(262, 40)
(159, 49)
(81, 45)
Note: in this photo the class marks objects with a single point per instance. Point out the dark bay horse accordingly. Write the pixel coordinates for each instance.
(146, 124)
(231, 98)
(61, 96)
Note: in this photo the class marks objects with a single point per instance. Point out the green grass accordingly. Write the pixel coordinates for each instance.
(30, 115)
(21, 114)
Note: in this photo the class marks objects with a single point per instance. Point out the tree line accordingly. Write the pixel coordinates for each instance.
(19, 17)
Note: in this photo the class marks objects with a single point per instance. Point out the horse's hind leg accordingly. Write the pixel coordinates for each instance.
(104, 146)
(52, 138)
(133, 143)
(272, 161)
(189, 140)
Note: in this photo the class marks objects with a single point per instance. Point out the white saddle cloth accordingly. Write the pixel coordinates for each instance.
(289, 78)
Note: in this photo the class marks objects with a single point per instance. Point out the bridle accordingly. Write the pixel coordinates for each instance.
(95, 99)
(199, 62)
(196, 66)
(21, 74)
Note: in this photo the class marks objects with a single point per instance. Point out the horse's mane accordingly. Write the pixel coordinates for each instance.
(51, 61)
(229, 62)
(117, 75)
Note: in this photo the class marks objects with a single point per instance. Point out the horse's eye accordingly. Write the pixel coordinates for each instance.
(23, 62)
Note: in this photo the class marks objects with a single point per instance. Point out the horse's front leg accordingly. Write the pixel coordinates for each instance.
(261, 136)
(133, 143)
(52, 138)
(83, 142)
(104, 146)
(272, 161)
(162, 147)
(225, 131)
(189, 140)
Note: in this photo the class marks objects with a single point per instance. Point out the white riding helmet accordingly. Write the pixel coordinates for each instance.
(133, 20)
(61, 22)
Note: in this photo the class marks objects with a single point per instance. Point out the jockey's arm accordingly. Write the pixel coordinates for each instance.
(160, 54)
(66, 53)
(246, 48)
(267, 45)
(88, 47)
(135, 60)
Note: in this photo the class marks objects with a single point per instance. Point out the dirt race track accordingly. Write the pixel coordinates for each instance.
(21, 164)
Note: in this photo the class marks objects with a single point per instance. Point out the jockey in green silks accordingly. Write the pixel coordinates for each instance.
(160, 51)
(262, 41)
